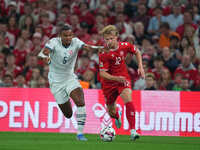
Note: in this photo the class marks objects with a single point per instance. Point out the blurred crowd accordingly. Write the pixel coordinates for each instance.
(166, 31)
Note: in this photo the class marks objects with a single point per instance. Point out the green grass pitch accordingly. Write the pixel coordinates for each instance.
(66, 141)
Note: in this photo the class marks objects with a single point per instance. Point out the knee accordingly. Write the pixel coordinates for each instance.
(68, 115)
(80, 102)
(77, 96)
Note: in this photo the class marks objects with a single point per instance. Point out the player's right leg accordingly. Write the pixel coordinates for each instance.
(62, 99)
(78, 97)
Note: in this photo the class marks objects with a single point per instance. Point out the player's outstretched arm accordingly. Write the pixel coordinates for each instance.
(92, 48)
(44, 53)
(140, 66)
(41, 52)
(108, 76)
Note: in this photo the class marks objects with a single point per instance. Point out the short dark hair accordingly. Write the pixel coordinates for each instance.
(165, 25)
(158, 7)
(150, 75)
(158, 58)
(65, 27)
(84, 24)
(66, 6)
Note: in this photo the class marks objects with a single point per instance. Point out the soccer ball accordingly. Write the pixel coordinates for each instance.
(107, 134)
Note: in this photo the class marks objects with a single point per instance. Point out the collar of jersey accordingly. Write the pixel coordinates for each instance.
(62, 43)
(115, 48)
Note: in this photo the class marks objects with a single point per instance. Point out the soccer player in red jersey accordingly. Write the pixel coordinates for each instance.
(114, 76)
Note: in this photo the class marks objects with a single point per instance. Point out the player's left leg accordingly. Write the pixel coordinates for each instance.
(112, 110)
(77, 96)
(111, 95)
(126, 95)
(114, 113)
(66, 109)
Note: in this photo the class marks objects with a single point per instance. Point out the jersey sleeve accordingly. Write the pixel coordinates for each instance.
(50, 44)
(103, 63)
(132, 48)
(79, 43)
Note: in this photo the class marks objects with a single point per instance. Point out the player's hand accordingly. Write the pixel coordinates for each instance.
(141, 72)
(47, 60)
(100, 50)
(121, 79)
(104, 49)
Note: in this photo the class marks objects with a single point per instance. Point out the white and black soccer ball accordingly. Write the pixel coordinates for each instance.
(107, 134)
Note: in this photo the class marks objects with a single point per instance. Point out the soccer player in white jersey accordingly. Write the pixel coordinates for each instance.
(63, 51)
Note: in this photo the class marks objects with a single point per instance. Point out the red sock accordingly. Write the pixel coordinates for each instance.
(130, 114)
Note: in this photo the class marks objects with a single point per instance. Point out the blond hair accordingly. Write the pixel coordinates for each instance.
(110, 29)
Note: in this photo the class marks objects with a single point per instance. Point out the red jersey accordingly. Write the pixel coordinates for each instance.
(180, 29)
(48, 29)
(16, 70)
(114, 61)
(20, 56)
(189, 73)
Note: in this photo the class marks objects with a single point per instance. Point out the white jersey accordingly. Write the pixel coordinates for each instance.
(63, 59)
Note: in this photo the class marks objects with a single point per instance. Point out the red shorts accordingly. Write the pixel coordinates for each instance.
(111, 92)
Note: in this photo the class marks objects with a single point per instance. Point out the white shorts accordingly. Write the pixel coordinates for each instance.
(61, 91)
